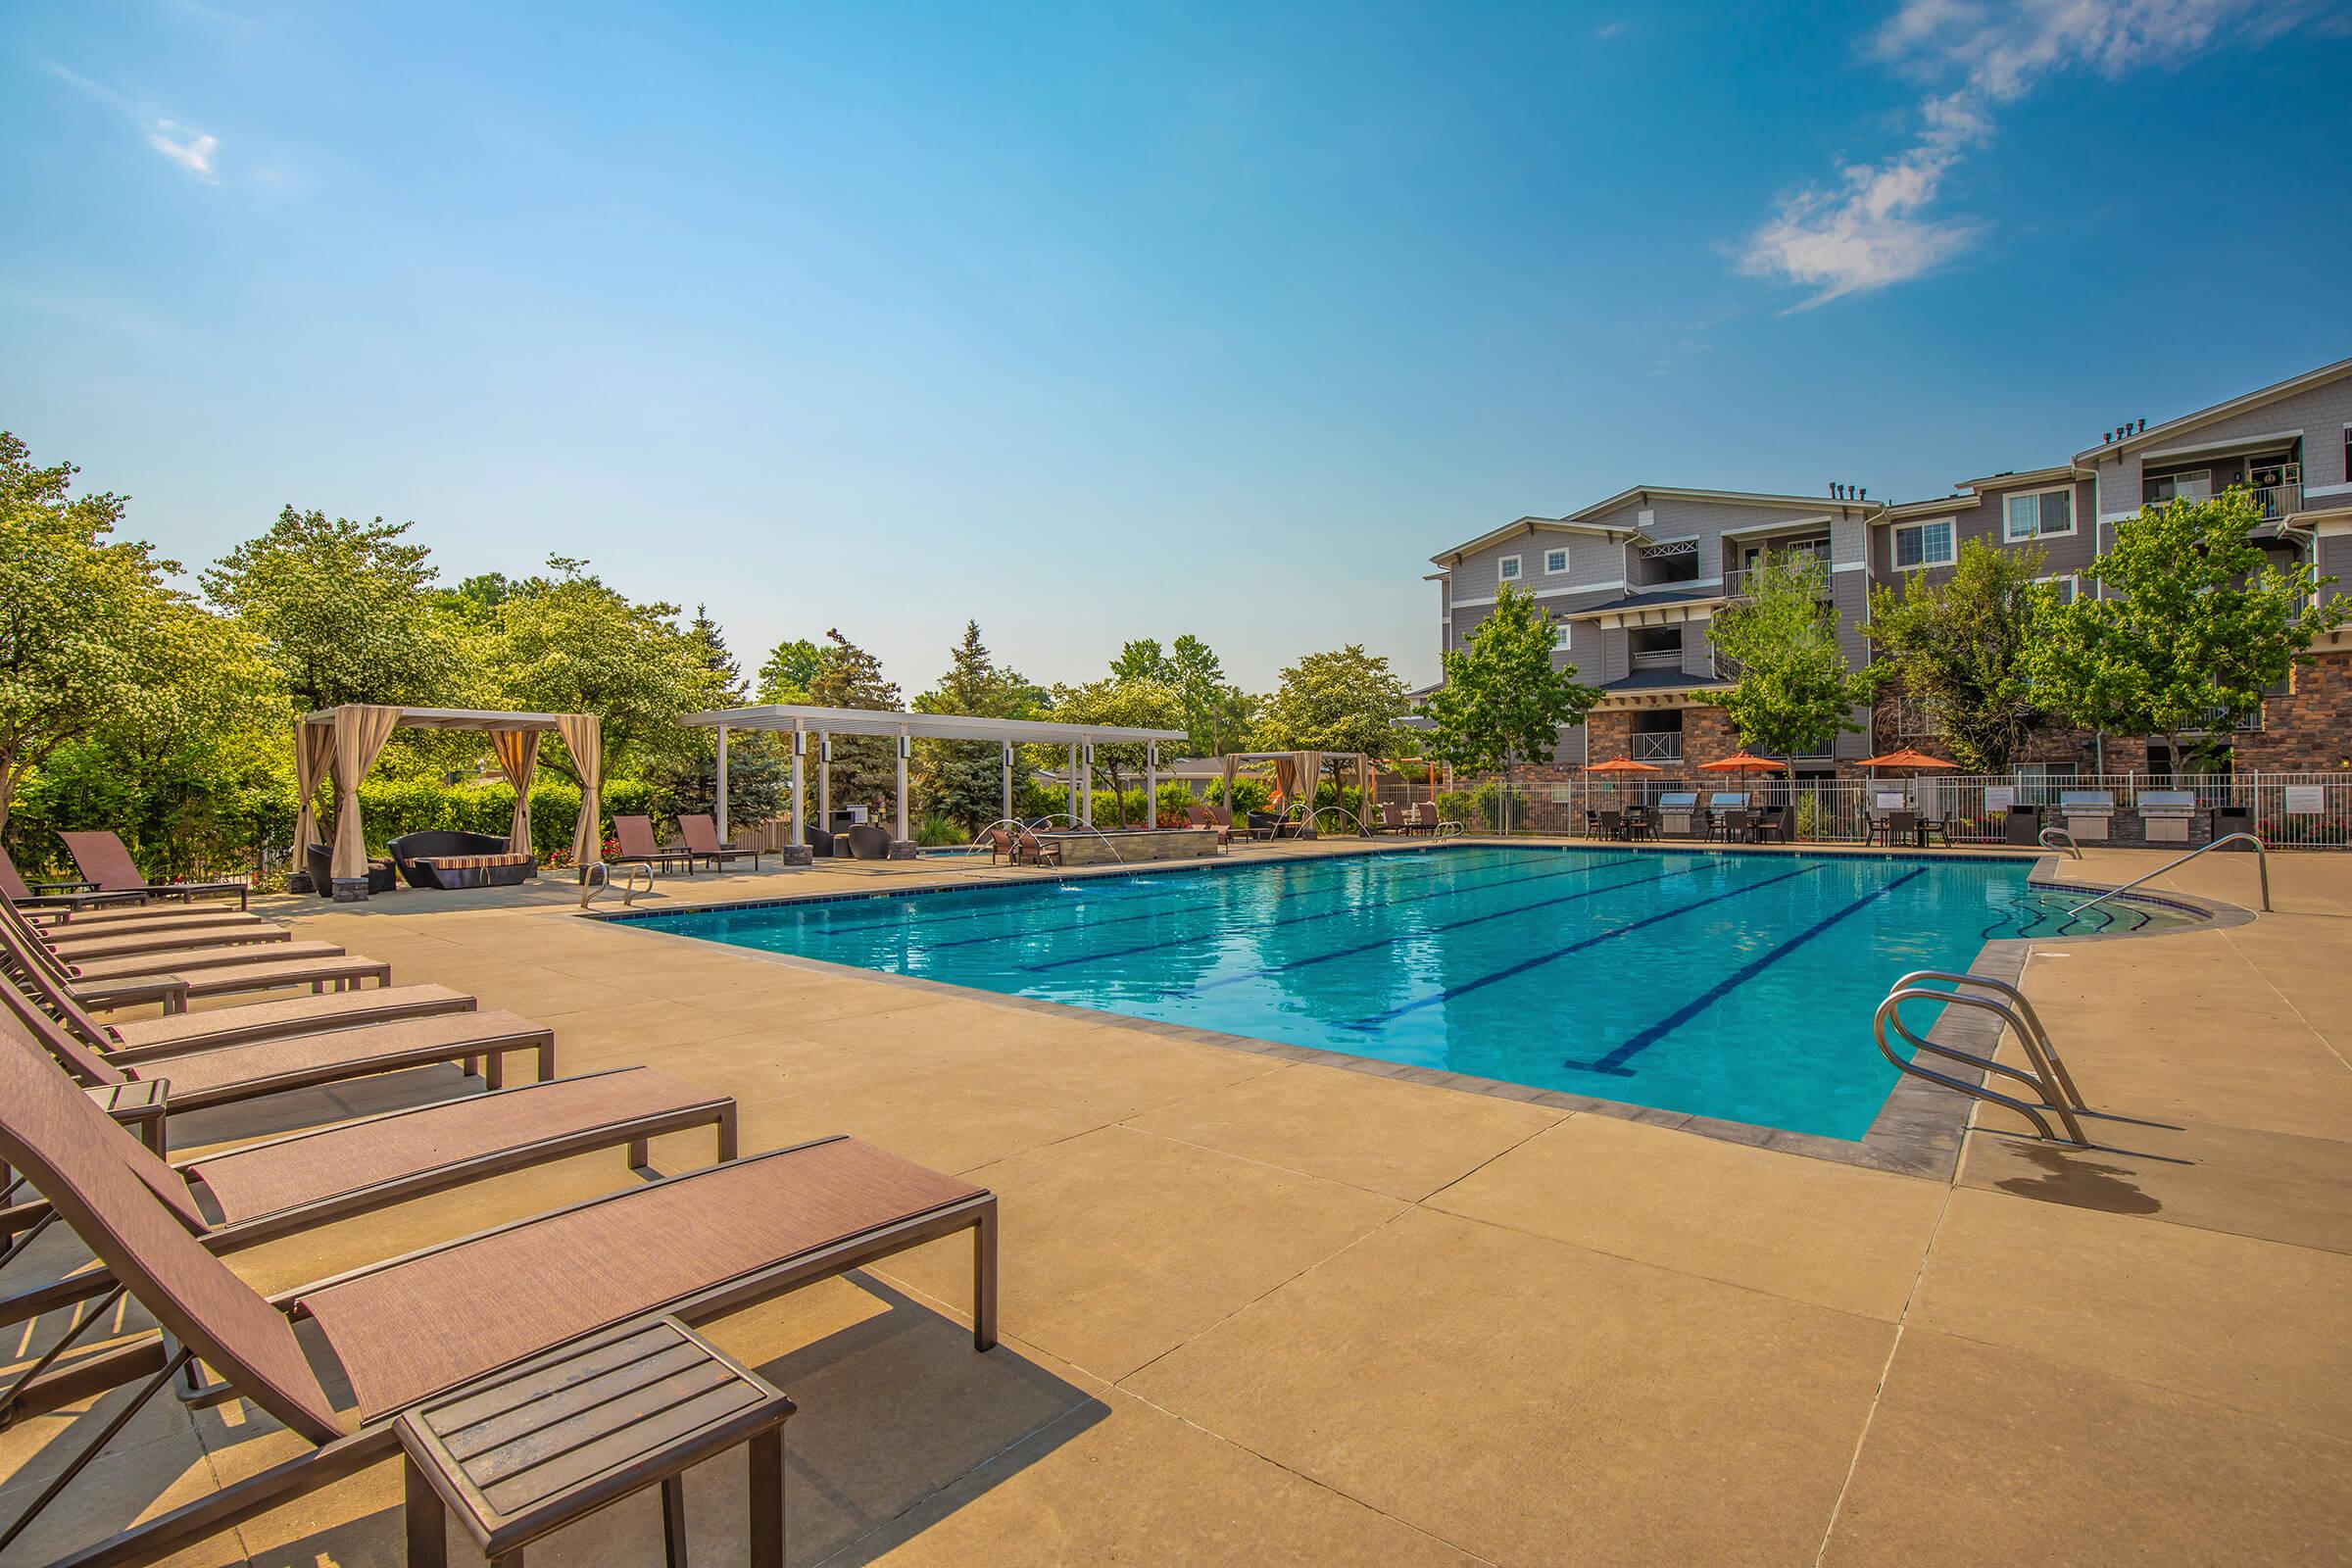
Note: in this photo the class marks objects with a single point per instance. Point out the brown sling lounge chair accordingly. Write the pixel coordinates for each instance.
(112, 983)
(103, 859)
(637, 846)
(73, 944)
(280, 1185)
(698, 1246)
(224, 1074)
(701, 834)
(80, 900)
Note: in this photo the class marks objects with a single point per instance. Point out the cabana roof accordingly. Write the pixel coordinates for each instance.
(453, 718)
(921, 726)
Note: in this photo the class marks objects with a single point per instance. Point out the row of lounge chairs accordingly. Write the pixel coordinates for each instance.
(400, 1330)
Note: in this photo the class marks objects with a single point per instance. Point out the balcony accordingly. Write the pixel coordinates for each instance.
(1741, 584)
(1660, 746)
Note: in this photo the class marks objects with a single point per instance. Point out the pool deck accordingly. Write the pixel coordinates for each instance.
(1259, 1310)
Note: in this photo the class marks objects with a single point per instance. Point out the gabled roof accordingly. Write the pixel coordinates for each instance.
(1525, 525)
(2155, 434)
(1736, 498)
(2058, 474)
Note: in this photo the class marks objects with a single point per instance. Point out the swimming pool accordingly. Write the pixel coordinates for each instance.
(1725, 985)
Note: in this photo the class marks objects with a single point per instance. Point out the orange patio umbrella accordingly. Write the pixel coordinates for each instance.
(1623, 765)
(1744, 763)
(1906, 758)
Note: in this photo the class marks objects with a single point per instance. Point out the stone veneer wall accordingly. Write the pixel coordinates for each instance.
(2310, 729)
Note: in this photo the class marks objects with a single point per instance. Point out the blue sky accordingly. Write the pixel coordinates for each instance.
(1095, 322)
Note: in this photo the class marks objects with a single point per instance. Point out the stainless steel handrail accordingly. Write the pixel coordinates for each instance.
(2262, 864)
(2024, 1008)
(2072, 847)
(591, 884)
(2044, 1081)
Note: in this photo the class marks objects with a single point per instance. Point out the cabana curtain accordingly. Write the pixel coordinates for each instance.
(314, 754)
(584, 738)
(1309, 765)
(519, 758)
(360, 732)
(1286, 779)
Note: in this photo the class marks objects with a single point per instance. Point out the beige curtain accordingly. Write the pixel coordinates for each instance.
(584, 737)
(1310, 774)
(1367, 789)
(519, 758)
(361, 730)
(1285, 780)
(314, 754)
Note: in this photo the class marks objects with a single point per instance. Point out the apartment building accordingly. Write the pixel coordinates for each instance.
(1634, 581)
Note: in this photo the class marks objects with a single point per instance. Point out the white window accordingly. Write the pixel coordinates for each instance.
(2037, 515)
(2070, 587)
(1923, 544)
(1555, 561)
(1507, 568)
(1559, 635)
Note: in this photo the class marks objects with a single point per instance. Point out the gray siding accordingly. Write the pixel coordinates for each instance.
(1592, 560)
(2321, 412)
(1980, 517)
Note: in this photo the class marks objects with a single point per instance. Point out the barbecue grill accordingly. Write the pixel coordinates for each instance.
(2166, 816)
(2087, 813)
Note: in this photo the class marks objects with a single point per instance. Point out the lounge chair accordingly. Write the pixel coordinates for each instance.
(73, 944)
(276, 1187)
(102, 858)
(205, 1073)
(701, 834)
(637, 846)
(698, 1246)
(174, 979)
(1425, 818)
(1203, 817)
(869, 841)
(1026, 849)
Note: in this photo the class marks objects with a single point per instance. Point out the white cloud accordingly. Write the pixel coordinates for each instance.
(191, 149)
(1608, 30)
(1874, 226)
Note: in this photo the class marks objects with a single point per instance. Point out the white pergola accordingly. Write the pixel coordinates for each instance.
(824, 723)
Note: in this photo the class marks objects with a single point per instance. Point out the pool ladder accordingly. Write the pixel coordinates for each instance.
(2052, 1084)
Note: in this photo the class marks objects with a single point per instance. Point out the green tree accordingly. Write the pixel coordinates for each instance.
(963, 781)
(1795, 693)
(1143, 659)
(2195, 623)
(711, 647)
(570, 643)
(82, 616)
(1958, 648)
(789, 670)
(1141, 703)
(865, 767)
(1502, 702)
(1342, 701)
(344, 609)
(1217, 714)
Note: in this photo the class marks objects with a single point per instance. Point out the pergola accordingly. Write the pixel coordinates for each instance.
(824, 723)
(343, 743)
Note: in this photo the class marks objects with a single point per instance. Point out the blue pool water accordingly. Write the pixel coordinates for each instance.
(1734, 986)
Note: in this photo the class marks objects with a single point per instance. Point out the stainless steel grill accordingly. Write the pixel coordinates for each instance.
(2167, 815)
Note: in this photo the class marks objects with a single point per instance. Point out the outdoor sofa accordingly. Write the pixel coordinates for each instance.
(447, 860)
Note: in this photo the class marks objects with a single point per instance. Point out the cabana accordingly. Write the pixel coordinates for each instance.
(343, 743)
(801, 722)
(1298, 776)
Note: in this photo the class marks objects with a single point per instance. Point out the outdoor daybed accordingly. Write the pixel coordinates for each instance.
(461, 860)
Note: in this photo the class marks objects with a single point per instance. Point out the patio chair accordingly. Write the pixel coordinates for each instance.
(1612, 824)
(637, 846)
(1203, 817)
(1735, 826)
(701, 834)
(1026, 849)
(869, 841)
(90, 909)
(173, 980)
(698, 1246)
(383, 870)
(101, 858)
(1898, 825)
(1772, 826)
(1425, 817)
(299, 1181)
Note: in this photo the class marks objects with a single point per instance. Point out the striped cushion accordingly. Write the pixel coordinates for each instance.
(473, 863)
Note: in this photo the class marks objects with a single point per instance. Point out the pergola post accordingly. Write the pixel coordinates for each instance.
(824, 779)
(1086, 812)
(720, 809)
(1075, 818)
(901, 848)
(797, 853)
(1007, 812)
(1151, 784)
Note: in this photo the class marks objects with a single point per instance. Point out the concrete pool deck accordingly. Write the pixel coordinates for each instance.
(1261, 1310)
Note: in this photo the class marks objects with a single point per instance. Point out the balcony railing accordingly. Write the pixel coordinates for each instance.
(2275, 500)
(1742, 583)
(1662, 746)
(1659, 659)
